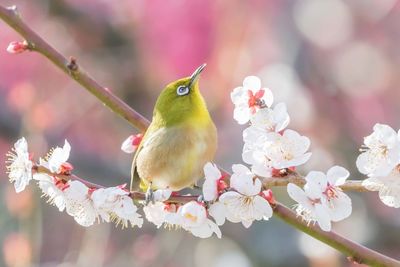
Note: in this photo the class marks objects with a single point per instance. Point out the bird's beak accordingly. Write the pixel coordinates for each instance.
(196, 74)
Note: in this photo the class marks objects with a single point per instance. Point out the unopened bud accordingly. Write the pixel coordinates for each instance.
(17, 47)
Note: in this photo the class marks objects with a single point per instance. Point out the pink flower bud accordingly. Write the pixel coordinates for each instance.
(269, 196)
(17, 47)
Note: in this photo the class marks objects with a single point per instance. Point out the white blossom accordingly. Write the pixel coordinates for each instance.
(338, 203)
(53, 189)
(212, 176)
(270, 120)
(381, 153)
(388, 187)
(309, 206)
(157, 213)
(19, 165)
(79, 204)
(114, 204)
(194, 219)
(249, 98)
(57, 158)
(245, 204)
(161, 195)
(286, 150)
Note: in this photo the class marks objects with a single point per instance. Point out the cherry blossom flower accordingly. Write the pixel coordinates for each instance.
(114, 204)
(53, 189)
(17, 47)
(214, 182)
(19, 165)
(309, 206)
(338, 203)
(269, 151)
(131, 143)
(194, 219)
(381, 153)
(245, 204)
(286, 150)
(157, 213)
(388, 187)
(249, 98)
(270, 120)
(79, 204)
(56, 162)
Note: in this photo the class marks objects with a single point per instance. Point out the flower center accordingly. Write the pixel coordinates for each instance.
(331, 192)
(191, 217)
(255, 100)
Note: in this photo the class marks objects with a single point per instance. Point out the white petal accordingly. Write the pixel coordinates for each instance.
(322, 217)
(241, 114)
(218, 211)
(337, 175)
(211, 171)
(268, 97)
(340, 207)
(127, 146)
(262, 206)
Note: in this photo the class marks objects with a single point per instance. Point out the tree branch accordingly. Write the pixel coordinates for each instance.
(355, 251)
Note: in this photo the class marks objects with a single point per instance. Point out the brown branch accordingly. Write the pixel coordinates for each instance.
(71, 67)
(296, 178)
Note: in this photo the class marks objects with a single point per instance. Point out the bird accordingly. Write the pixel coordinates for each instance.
(181, 138)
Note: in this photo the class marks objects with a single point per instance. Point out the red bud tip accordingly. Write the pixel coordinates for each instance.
(137, 139)
(17, 47)
(269, 196)
(66, 168)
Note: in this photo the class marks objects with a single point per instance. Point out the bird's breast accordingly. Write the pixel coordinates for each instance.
(174, 156)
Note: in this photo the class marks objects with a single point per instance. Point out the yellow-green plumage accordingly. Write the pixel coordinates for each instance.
(179, 141)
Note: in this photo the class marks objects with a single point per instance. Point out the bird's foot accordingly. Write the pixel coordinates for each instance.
(149, 196)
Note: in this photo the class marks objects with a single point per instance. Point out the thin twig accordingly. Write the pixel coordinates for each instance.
(353, 250)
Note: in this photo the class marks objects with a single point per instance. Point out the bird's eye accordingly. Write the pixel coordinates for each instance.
(182, 90)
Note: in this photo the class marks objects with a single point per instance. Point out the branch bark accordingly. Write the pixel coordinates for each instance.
(70, 66)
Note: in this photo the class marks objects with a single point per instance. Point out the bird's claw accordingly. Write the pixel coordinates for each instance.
(149, 196)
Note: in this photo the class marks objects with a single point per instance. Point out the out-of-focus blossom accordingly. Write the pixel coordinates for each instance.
(19, 165)
(249, 98)
(313, 17)
(131, 143)
(114, 203)
(53, 189)
(381, 153)
(194, 219)
(213, 182)
(17, 250)
(273, 119)
(245, 204)
(388, 187)
(17, 47)
(338, 203)
(309, 206)
(56, 162)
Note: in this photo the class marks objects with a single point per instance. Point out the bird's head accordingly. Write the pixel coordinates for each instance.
(181, 101)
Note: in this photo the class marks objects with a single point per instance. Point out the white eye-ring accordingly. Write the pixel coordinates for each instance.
(182, 90)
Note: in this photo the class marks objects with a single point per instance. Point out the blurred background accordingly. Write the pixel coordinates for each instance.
(335, 63)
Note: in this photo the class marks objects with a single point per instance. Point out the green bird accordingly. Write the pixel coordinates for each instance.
(179, 141)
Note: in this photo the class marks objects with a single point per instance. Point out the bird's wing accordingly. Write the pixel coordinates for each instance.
(150, 134)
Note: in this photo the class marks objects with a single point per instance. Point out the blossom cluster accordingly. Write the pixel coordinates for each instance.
(270, 149)
(380, 161)
(84, 204)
